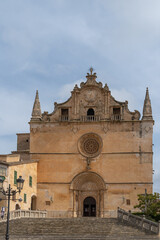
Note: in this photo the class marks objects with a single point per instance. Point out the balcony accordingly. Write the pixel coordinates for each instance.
(90, 118)
(116, 117)
(64, 118)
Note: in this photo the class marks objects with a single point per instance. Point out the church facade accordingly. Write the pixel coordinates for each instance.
(93, 154)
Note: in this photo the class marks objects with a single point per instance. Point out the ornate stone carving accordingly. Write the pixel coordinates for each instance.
(81, 180)
(147, 129)
(105, 128)
(90, 145)
(91, 80)
(74, 129)
(89, 186)
(90, 95)
(33, 130)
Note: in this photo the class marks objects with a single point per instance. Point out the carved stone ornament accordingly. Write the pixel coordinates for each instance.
(90, 145)
(74, 129)
(105, 128)
(147, 129)
(90, 95)
(34, 130)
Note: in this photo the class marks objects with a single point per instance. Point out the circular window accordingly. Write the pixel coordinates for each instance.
(90, 145)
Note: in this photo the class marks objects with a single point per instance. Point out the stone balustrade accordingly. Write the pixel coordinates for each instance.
(52, 214)
(116, 117)
(139, 222)
(64, 118)
(25, 214)
(94, 118)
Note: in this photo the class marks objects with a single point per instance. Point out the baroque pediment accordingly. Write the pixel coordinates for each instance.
(91, 102)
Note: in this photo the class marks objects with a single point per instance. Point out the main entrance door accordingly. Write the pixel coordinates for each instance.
(89, 207)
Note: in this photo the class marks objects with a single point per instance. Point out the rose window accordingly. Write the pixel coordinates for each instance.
(90, 145)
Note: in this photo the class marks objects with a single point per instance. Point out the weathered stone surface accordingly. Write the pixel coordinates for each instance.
(79, 228)
(122, 157)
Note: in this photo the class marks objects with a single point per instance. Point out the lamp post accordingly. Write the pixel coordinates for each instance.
(8, 193)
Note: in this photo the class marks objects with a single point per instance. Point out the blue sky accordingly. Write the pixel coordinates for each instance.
(50, 45)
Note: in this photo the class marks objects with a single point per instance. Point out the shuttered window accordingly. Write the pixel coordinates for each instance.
(25, 197)
(3, 171)
(15, 177)
(30, 181)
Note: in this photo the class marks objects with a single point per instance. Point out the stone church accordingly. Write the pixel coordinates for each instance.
(93, 154)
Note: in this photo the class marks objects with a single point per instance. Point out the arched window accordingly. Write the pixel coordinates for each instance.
(17, 207)
(90, 112)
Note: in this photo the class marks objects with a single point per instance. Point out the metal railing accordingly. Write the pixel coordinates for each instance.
(139, 222)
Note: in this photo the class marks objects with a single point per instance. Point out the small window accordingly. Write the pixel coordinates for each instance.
(64, 114)
(30, 181)
(128, 201)
(25, 197)
(15, 177)
(116, 114)
(48, 203)
(90, 112)
(116, 111)
(3, 171)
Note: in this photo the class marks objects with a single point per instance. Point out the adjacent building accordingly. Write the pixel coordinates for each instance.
(11, 167)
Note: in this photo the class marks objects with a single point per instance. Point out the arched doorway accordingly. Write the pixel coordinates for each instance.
(88, 189)
(89, 207)
(33, 202)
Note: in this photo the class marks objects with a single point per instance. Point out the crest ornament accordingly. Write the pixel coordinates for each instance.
(75, 129)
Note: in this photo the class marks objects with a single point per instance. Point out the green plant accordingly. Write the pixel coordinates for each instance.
(149, 204)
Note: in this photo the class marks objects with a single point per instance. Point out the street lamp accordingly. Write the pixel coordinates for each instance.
(9, 192)
(2, 178)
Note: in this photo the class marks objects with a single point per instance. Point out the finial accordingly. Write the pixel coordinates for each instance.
(147, 109)
(36, 112)
(91, 70)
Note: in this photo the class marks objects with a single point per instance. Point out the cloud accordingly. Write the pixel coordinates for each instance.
(14, 112)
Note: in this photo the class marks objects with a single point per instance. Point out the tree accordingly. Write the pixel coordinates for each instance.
(149, 204)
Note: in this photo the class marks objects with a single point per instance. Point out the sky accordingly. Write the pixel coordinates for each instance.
(49, 45)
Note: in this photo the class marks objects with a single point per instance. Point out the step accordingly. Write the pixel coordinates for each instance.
(71, 228)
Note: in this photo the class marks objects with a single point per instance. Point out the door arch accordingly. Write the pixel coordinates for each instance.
(17, 207)
(88, 184)
(89, 207)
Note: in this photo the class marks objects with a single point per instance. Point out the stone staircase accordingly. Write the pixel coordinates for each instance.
(71, 229)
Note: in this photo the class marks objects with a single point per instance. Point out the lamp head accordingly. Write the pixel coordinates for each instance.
(20, 182)
(2, 178)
